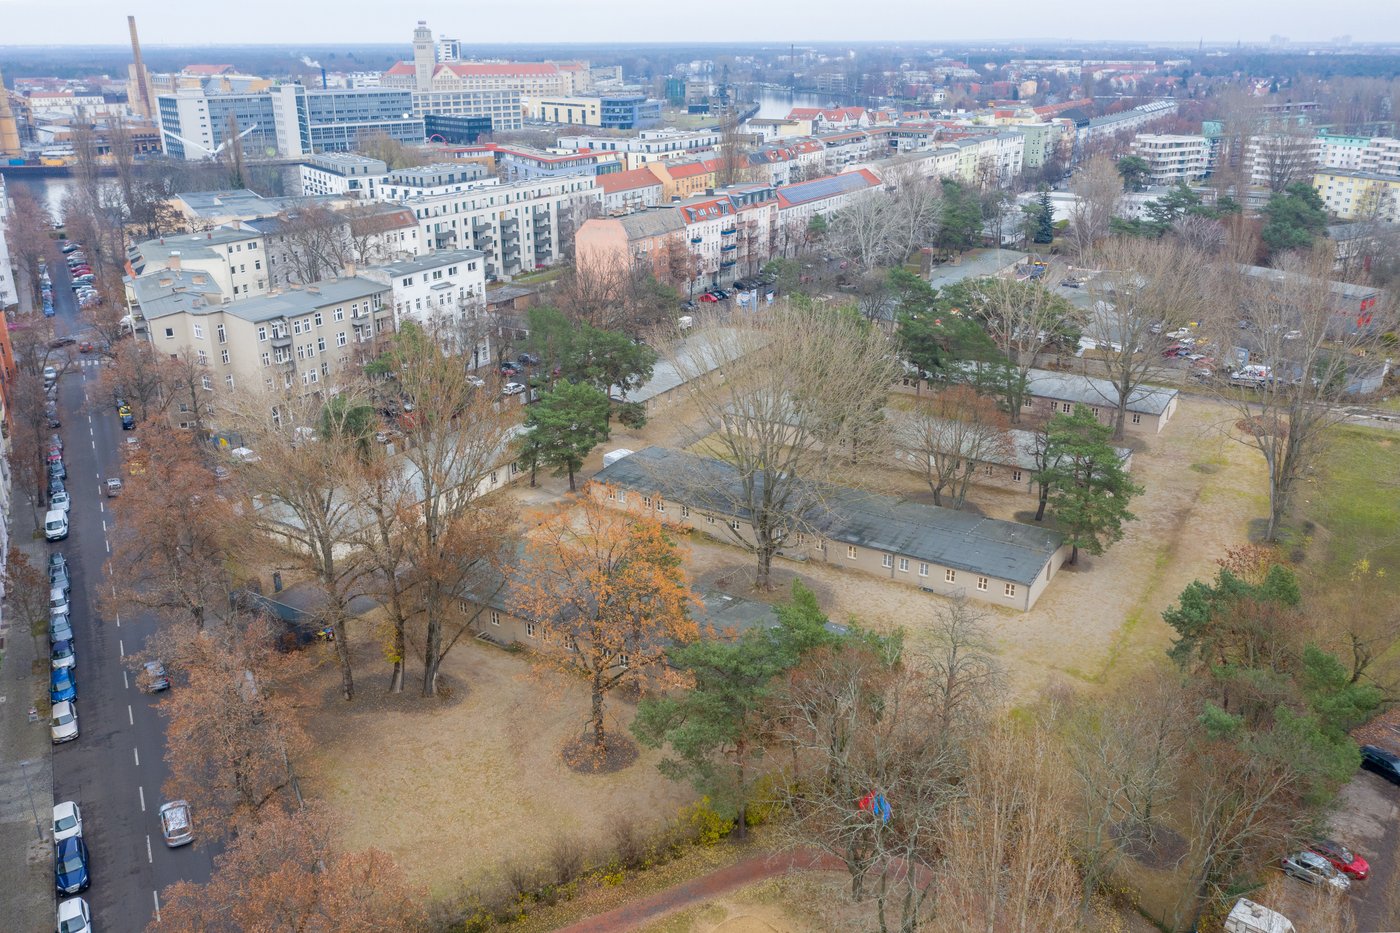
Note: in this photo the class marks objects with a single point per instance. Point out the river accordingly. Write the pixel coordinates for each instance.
(774, 104)
(49, 191)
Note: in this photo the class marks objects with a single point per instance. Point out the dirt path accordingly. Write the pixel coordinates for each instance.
(699, 890)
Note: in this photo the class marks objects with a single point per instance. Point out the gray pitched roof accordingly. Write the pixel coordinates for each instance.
(1005, 550)
(655, 222)
(305, 300)
(429, 261)
(1088, 390)
(166, 291)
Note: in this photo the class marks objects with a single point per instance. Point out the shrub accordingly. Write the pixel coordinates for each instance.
(707, 827)
(628, 842)
(565, 859)
(767, 798)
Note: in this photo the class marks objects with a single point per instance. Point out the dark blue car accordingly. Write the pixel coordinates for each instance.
(70, 866)
(62, 685)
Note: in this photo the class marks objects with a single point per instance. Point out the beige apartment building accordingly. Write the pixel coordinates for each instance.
(296, 340)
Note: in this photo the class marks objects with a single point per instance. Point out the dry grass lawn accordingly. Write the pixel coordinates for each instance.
(1100, 617)
(478, 774)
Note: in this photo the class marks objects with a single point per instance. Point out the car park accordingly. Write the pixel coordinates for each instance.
(70, 868)
(74, 916)
(1342, 858)
(67, 820)
(63, 725)
(1381, 762)
(62, 685)
(61, 655)
(1314, 869)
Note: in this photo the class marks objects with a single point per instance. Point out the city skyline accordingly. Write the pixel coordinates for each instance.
(88, 22)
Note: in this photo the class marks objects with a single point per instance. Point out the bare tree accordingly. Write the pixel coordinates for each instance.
(1098, 189)
(1312, 352)
(797, 386)
(316, 241)
(1024, 319)
(950, 437)
(919, 200)
(1284, 153)
(1148, 289)
(308, 514)
(28, 228)
(870, 232)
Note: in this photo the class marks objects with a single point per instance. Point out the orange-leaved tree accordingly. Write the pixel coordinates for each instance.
(286, 873)
(609, 589)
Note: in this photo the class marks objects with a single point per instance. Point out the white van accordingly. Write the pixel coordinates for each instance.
(56, 525)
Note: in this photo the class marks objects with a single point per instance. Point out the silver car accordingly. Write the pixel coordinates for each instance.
(1314, 869)
(175, 824)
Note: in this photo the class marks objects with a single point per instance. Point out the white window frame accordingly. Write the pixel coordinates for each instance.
(982, 584)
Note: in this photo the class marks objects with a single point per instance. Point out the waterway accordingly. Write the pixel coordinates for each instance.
(49, 191)
(774, 104)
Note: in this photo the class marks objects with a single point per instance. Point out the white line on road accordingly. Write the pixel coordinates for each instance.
(156, 895)
(142, 791)
(129, 720)
(101, 506)
(137, 755)
(149, 857)
(104, 526)
(109, 546)
(94, 445)
(121, 649)
(126, 685)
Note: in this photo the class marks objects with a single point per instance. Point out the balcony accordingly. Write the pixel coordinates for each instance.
(728, 247)
(697, 240)
(726, 263)
(281, 341)
(288, 365)
(730, 232)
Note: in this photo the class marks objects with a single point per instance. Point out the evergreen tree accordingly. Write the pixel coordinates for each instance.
(1044, 219)
(565, 425)
(1296, 218)
(1089, 489)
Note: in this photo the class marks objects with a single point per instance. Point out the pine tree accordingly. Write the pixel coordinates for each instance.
(1045, 219)
(566, 424)
(1089, 489)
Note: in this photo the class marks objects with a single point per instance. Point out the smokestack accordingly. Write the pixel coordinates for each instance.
(142, 82)
(9, 129)
(323, 78)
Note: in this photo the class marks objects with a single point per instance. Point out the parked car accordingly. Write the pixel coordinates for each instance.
(58, 601)
(69, 247)
(62, 685)
(60, 500)
(476, 382)
(63, 726)
(67, 820)
(509, 369)
(61, 655)
(1382, 762)
(70, 866)
(707, 297)
(74, 916)
(50, 375)
(153, 678)
(85, 346)
(175, 824)
(512, 388)
(58, 578)
(1314, 869)
(60, 629)
(51, 412)
(1343, 859)
(55, 525)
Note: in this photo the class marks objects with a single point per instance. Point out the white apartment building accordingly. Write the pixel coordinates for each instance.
(1000, 154)
(516, 226)
(648, 145)
(9, 292)
(447, 288)
(1172, 159)
(439, 178)
(343, 173)
(297, 339)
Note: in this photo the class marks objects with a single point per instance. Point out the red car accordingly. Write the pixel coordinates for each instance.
(1343, 859)
(708, 297)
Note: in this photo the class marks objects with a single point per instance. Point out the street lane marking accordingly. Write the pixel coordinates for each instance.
(109, 546)
(121, 649)
(156, 895)
(142, 791)
(104, 526)
(129, 720)
(101, 506)
(149, 858)
(94, 445)
(125, 684)
(137, 755)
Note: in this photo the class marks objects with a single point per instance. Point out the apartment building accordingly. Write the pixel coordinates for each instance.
(1355, 195)
(648, 145)
(343, 173)
(1173, 159)
(608, 111)
(994, 157)
(297, 339)
(937, 550)
(433, 285)
(516, 225)
(522, 163)
(235, 260)
(439, 178)
(1127, 121)
(624, 192)
(9, 291)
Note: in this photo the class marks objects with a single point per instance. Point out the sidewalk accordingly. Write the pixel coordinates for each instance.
(699, 890)
(26, 759)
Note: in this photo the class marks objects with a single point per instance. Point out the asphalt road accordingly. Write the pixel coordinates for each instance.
(114, 770)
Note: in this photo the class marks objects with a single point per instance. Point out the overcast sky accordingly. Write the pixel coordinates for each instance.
(188, 22)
